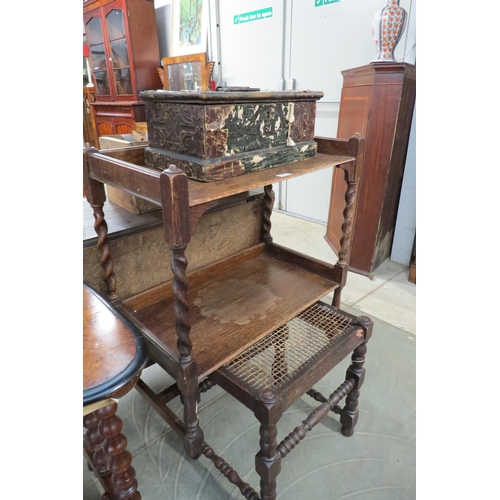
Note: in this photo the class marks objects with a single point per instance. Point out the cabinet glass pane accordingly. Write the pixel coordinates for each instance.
(119, 53)
(102, 83)
(94, 31)
(123, 81)
(98, 57)
(116, 24)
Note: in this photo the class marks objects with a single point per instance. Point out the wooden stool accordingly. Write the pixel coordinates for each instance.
(113, 358)
(273, 373)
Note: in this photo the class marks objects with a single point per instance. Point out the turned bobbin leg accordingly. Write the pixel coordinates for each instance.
(123, 479)
(349, 414)
(96, 444)
(268, 460)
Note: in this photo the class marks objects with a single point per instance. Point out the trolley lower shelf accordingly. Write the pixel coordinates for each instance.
(234, 303)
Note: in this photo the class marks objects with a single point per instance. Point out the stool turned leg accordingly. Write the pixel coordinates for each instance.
(349, 414)
(96, 443)
(268, 460)
(123, 478)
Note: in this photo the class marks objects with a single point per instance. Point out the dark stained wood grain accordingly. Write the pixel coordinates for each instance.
(299, 433)
(144, 181)
(123, 483)
(201, 192)
(137, 250)
(131, 177)
(235, 307)
(120, 222)
(175, 203)
(412, 274)
(377, 102)
(202, 318)
(114, 355)
(110, 348)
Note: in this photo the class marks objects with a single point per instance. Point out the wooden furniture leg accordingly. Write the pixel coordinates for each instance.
(96, 196)
(266, 216)
(123, 478)
(356, 372)
(268, 461)
(113, 358)
(95, 445)
(233, 477)
(177, 232)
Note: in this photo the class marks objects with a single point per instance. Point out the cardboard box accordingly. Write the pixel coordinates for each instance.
(119, 197)
(118, 141)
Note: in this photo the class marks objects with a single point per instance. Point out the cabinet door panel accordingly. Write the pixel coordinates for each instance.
(116, 24)
(123, 82)
(94, 31)
(124, 127)
(104, 127)
(116, 32)
(102, 83)
(119, 54)
(98, 55)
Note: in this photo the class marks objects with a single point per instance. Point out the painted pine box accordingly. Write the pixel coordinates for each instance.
(216, 135)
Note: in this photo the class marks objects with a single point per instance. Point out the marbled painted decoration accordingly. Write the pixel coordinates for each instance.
(387, 27)
(215, 135)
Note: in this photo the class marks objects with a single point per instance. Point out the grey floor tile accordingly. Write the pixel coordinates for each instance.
(394, 302)
(378, 462)
(302, 235)
(308, 237)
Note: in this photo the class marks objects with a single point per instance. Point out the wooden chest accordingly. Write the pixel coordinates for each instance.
(215, 135)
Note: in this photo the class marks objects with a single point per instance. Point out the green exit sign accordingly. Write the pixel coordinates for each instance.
(319, 3)
(256, 15)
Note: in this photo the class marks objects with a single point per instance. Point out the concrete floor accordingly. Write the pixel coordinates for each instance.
(377, 463)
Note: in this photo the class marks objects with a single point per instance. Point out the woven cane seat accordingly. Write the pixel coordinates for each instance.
(288, 352)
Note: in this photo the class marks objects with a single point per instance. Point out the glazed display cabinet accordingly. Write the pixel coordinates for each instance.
(124, 55)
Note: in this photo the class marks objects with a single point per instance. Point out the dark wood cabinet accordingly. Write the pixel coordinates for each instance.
(377, 102)
(124, 55)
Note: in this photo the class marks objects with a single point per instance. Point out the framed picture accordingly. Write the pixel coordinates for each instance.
(188, 34)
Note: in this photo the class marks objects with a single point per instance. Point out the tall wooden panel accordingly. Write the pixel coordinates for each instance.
(377, 101)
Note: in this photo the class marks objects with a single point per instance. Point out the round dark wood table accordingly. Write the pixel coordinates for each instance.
(114, 355)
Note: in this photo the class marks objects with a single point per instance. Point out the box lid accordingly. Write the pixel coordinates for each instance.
(220, 97)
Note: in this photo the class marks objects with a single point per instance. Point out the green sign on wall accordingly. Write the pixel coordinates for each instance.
(319, 3)
(256, 15)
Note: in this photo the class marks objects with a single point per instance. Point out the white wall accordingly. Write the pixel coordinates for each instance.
(161, 3)
(310, 46)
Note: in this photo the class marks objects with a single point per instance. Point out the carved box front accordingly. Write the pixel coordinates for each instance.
(215, 135)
